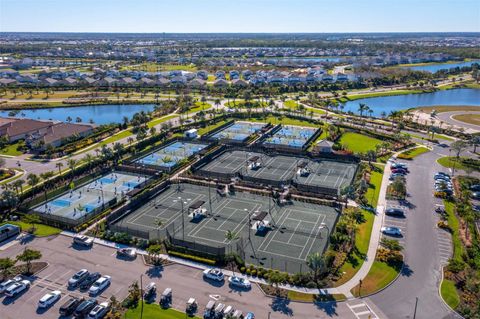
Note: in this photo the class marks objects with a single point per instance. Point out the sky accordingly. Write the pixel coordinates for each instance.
(192, 16)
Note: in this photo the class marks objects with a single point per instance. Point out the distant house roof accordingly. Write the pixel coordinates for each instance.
(64, 130)
(23, 126)
(220, 82)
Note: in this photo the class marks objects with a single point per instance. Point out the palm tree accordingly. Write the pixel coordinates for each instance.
(18, 184)
(71, 165)
(46, 181)
(33, 180)
(88, 158)
(28, 256)
(317, 263)
(59, 165)
(362, 107)
(230, 235)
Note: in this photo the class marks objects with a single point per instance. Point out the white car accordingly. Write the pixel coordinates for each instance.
(239, 282)
(392, 231)
(49, 299)
(17, 288)
(99, 311)
(83, 240)
(7, 283)
(214, 274)
(129, 253)
(78, 277)
(99, 285)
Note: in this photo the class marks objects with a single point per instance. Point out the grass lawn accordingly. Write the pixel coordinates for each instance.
(160, 120)
(290, 104)
(283, 120)
(377, 94)
(11, 149)
(451, 161)
(468, 118)
(153, 311)
(40, 231)
(364, 231)
(303, 297)
(449, 293)
(208, 128)
(453, 223)
(379, 276)
(200, 106)
(358, 143)
(414, 152)
(447, 108)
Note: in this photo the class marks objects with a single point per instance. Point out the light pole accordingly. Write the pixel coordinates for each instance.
(322, 226)
(182, 202)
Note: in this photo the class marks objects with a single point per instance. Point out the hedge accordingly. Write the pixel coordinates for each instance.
(203, 260)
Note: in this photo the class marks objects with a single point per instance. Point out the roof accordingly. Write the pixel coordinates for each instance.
(260, 216)
(64, 130)
(23, 126)
(325, 143)
(197, 204)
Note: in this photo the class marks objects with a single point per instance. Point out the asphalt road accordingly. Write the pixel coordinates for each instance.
(422, 273)
(186, 282)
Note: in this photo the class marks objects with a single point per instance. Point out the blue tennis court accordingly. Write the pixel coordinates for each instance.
(172, 154)
(91, 197)
(293, 136)
(239, 131)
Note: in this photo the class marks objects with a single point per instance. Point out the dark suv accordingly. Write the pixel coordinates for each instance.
(85, 307)
(70, 305)
(87, 282)
(394, 212)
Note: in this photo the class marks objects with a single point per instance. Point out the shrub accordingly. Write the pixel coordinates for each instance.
(242, 269)
(254, 272)
(249, 271)
(455, 265)
(194, 258)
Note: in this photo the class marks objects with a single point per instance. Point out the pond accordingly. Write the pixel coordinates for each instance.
(402, 102)
(100, 114)
(432, 68)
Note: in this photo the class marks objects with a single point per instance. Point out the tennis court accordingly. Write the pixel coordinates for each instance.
(282, 169)
(293, 136)
(170, 155)
(294, 230)
(91, 197)
(238, 131)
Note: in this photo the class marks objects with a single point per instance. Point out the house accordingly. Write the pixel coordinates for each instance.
(178, 80)
(220, 82)
(202, 74)
(324, 146)
(197, 82)
(57, 134)
(7, 82)
(21, 128)
(239, 83)
(163, 82)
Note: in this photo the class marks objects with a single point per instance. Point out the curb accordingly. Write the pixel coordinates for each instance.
(382, 289)
(443, 300)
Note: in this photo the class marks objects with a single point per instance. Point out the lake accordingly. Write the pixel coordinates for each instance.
(100, 114)
(432, 68)
(402, 102)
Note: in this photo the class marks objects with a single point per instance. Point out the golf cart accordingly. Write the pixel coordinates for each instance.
(150, 291)
(166, 298)
(191, 307)
(209, 310)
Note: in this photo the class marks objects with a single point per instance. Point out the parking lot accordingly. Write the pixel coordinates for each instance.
(294, 229)
(186, 282)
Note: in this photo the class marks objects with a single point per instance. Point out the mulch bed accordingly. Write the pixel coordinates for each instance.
(34, 268)
(149, 261)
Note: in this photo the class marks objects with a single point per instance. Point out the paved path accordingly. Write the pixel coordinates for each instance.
(448, 118)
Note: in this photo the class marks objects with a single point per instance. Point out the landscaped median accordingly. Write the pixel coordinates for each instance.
(380, 276)
(462, 163)
(413, 152)
(154, 311)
